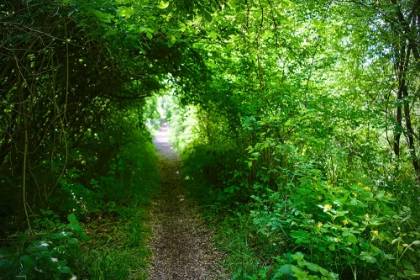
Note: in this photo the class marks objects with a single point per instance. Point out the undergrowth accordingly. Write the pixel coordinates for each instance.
(247, 255)
(313, 228)
(117, 247)
(281, 213)
(103, 237)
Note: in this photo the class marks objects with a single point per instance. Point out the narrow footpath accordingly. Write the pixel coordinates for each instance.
(181, 244)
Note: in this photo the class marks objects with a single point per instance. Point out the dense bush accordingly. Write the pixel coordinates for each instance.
(297, 151)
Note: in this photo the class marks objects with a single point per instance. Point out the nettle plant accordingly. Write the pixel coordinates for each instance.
(347, 228)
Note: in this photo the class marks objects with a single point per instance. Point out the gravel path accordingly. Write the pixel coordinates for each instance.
(181, 244)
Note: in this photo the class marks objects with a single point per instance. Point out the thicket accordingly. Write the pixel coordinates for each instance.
(305, 147)
(76, 160)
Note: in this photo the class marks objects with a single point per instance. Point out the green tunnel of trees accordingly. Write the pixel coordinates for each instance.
(306, 120)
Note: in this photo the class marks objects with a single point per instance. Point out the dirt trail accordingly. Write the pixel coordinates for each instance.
(181, 243)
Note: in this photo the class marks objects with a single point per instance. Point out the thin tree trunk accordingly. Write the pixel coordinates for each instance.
(410, 133)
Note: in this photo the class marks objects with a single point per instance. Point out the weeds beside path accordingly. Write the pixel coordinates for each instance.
(181, 244)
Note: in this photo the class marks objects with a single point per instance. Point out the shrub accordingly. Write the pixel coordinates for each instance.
(49, 254)
(351, 229)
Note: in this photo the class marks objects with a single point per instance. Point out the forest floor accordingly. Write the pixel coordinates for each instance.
(181, 245)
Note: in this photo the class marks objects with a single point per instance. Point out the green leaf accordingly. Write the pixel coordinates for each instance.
(299, 273)
(126, 12)
(213, 35)
(323, 271)
(73, 241)
(163, 5)
(389, 256)
(352, 238)
(72, 218)
(208, 16)
(65, 270)
(57, 235)
(367, 257)
(312, 266)
(149, 35)
(298, 256)
(5, 264)
(411, 272)
(26, 261)
(111, 32)
(380, 194)
(105, 17)
(340, 213)
(285, 269)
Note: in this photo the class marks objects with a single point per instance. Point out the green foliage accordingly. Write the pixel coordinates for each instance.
(303, 115)
(51, 255)
(345, 228)
(302, 269)
(82, 70)
(117, 247)
(58, 250)
(297, 116)
(248, 254)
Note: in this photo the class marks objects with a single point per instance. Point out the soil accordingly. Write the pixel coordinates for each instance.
(182, 244)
